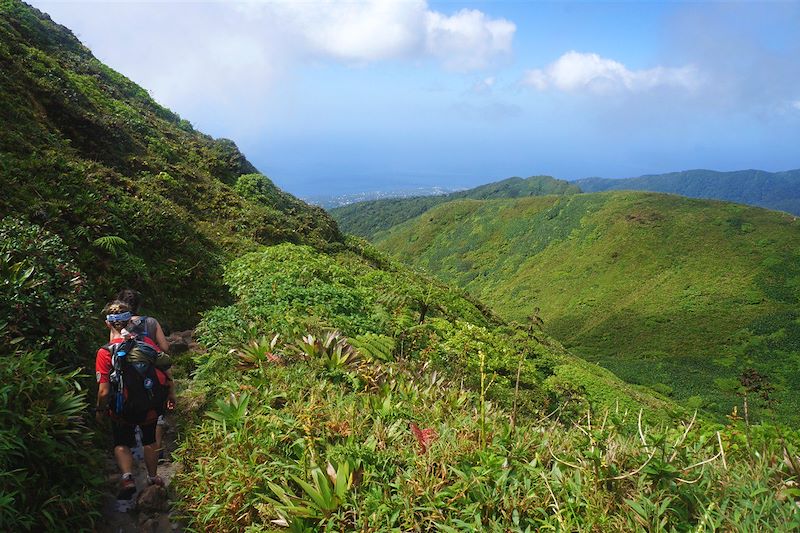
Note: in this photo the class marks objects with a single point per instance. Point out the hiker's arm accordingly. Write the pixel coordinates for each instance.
(103, 392)
(161, 339)
(172, 398)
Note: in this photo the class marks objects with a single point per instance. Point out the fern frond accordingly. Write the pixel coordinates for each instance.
(374, 346)
(110, 243)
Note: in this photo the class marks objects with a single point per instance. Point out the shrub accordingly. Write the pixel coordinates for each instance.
(41, 291)
(48, 469)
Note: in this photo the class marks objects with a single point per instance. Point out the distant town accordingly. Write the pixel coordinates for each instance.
(328, 202)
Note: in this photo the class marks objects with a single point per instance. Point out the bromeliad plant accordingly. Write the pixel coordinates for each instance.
(332, 349)
(258, 353)
(320, 498)
(231, 412)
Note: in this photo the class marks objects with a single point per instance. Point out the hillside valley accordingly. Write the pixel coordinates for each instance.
(367, 219)
(678, 294)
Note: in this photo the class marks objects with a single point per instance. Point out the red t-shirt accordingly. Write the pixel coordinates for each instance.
(102, 363)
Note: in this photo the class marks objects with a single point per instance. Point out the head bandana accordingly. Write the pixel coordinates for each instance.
(121, 317)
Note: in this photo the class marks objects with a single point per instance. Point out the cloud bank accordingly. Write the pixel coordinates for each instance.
(377, 30)
(576, 71)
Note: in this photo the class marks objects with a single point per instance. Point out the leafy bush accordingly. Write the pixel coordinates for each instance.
(43, 294)
(48, 469)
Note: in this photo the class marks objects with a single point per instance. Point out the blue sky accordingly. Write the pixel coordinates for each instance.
(330, 97)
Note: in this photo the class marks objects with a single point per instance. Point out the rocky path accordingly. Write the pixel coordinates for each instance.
(153, 513)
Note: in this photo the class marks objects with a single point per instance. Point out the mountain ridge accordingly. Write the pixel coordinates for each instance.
(772, 190)
(89, 155)
(366, 219)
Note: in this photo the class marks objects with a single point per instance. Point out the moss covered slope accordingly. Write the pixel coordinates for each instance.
(88, 155)
(660, 289)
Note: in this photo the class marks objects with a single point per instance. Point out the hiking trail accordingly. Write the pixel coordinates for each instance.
(154, 511)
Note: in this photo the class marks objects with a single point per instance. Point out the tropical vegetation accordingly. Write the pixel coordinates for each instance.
(336, 388)
(677, 294)
(367, 416)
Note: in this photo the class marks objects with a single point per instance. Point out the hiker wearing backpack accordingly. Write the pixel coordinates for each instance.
(149, 327)
(133, 389)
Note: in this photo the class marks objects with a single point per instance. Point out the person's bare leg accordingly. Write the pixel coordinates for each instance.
(151, 458)
(159, 436)
(124, 459)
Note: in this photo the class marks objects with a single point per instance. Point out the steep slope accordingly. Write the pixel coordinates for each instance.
(143, 198)
(774, 190)
(663, 290)
(369, 218)
(407, 419)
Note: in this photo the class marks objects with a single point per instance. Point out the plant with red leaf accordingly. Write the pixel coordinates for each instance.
(424, 437)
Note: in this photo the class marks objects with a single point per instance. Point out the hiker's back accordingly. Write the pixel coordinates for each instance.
(144, 325)
(138, 379)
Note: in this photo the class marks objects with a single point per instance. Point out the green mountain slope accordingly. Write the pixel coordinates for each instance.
(660, 289)
(369, 218)
(774, 190)
(87, 154)
(330, 433)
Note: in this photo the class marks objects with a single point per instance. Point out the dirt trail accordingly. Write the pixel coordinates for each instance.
(146, 517)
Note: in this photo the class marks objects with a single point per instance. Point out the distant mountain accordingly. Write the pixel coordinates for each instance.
(773, 190)
(676, 293)
(369, 218)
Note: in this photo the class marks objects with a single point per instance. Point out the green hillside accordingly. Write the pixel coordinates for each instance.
(773, 190)
(404, 420)
(87, 154)
(662, 290)
(335, 389)
(366, 219)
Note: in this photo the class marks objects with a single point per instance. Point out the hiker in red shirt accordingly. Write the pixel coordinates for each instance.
(149, 327)
(132, 391)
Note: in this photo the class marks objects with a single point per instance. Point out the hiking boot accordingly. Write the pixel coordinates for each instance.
(155, 481)
(127, 488)
(161, 458)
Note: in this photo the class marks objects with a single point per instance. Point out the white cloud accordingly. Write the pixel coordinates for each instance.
(352, 31)
(796, 104)
(575, 71)
(467, 40)
(234, 57)
(375, 30)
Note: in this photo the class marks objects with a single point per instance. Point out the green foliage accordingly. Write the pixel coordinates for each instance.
(144, 199)
(48, 470)
(601, 470)
(374, 346)
(666, 292)
(320, 498)
(231, 412)
(368, 219)
(43, 294)
(110, 243)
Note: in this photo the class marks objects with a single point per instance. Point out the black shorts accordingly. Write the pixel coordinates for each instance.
(125, 434)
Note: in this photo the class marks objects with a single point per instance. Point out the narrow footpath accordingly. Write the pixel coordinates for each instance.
(153, 511)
